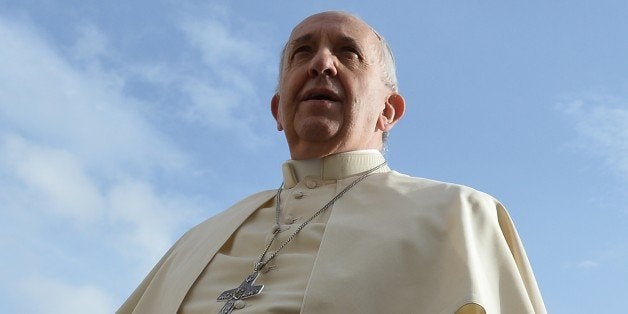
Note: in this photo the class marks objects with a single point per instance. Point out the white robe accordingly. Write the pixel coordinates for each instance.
(394, 244)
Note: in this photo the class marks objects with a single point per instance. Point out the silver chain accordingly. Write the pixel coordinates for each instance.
(277, 228)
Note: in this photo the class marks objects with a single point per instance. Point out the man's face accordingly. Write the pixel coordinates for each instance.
(331, 95)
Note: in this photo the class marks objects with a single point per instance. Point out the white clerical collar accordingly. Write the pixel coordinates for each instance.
(332, 167)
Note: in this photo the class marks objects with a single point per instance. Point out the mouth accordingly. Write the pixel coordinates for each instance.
(321, 94)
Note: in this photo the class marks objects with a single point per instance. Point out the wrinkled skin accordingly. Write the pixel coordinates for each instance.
(332, 97)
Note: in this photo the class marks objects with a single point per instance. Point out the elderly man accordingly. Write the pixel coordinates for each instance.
(344, 233)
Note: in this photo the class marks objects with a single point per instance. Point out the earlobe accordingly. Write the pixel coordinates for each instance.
(394, 109)
(274, 109)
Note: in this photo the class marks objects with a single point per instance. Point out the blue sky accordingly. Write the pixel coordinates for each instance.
(123, 124)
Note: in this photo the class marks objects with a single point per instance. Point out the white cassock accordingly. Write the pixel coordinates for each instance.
(392, 244)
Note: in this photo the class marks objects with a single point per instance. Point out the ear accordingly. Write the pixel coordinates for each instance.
(274, 108)
(394, 109)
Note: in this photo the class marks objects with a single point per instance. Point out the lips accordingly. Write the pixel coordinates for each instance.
(321, 94)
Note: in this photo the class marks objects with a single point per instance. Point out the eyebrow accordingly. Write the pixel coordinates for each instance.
(346, 40)
(298, 41)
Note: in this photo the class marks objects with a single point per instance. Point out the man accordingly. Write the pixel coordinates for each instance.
(344, 233)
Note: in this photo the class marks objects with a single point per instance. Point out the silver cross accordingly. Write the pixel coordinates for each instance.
(245, 290)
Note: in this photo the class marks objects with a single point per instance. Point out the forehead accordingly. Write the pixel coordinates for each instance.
(333, 25)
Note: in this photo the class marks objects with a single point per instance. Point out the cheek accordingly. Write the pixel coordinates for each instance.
(365, 111)
(293, 79)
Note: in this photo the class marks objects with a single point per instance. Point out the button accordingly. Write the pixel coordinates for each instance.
(240, 304)
(310, 184)
(299, 195)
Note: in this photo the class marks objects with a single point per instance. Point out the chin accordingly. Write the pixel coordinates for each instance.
(317, 132)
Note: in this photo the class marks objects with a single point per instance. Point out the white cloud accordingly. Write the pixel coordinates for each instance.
(220, 45)
(221, 92)
(587, 264)
(44, 97)
(228, 96)
(91, 44)
(75, 147)
(602, 125)
(147, 221)
(48, 296)
(609, 256)
(54, 181)
(55, 175)
(582, 265)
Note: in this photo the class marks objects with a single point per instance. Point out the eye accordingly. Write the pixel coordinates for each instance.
(350, 51)
(300, 50)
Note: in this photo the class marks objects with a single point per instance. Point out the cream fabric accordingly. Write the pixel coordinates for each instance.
(309, 185)
(394, 244)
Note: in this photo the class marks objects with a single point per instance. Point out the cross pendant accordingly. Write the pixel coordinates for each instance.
(245, 290)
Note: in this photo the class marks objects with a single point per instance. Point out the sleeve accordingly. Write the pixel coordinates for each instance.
(501, 277)
(520, 258)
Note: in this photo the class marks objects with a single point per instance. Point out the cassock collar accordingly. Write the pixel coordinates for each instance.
(332, 167)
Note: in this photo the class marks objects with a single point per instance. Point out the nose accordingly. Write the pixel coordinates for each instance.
(323, 63)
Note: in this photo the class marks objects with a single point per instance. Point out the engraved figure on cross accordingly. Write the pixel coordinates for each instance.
(245, 290)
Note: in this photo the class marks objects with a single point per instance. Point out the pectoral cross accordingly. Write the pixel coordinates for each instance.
(245, 290)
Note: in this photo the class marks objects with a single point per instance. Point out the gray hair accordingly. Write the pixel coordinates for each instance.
(388, 62)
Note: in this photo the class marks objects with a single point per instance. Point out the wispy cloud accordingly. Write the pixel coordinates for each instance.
(78, 158)
(601, 121)
(609, 256)
(582, 265)
(217, 84)
(82, 110)
(54, 176)
(144, 219)
(55, 297)
(236, 60)
(587, 264)
(86, 172)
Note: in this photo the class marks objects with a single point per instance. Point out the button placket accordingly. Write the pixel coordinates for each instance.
(309, 203)
(285, 203)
